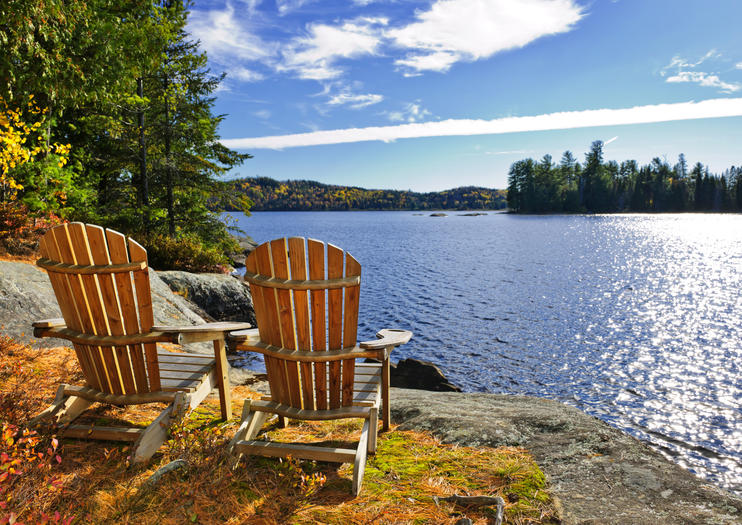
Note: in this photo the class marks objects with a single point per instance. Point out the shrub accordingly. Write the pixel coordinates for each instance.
(186, 253)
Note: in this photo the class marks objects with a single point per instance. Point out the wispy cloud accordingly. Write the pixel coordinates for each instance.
(683, 71)
(610, 140)
(226, 37)
(455, 30)
(315, 55)
(355, 101)
(713, 108)
(412, 112)
(738, 65)
(706, 80)
(263, 113)
(246, 75)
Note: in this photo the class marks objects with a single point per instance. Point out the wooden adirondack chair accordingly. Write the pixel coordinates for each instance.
(306, 305)
(101, 281)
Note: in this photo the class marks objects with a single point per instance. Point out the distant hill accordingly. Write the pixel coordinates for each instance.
(294, 195)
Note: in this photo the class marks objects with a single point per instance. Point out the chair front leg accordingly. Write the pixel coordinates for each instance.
(222, 376)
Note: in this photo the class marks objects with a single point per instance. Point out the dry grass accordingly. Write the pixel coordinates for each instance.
(92, 482)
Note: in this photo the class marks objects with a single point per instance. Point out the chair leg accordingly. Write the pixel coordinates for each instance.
(64, 409)
(156, 433)
(385, 380)
(252, 422)
(374, 430)
(222, 372)
(359, 465)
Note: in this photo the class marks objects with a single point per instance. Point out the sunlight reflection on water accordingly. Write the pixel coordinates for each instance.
(636, 319)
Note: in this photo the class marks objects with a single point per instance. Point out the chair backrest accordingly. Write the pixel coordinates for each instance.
(305, 295)
(101, 281)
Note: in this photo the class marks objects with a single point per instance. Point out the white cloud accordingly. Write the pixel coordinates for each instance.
(413, 112)
(225, 38)
(681, 63)
(706, 80)
(355, 101)
(314, 56)
(263, 113)
(246, 74)
(713, 108)
(610, 140)
(454, 30)
(286, 6)
(738, 65)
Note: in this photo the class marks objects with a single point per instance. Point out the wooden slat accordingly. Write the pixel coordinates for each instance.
(316, 256)
(184, 367)
(279, 256)
(60, 285)
(87, 269)
(186, 385)
(310, 415)
(144, 308)
(298, 262)
(99, 253)
(175, 357)
(281, 450)
(117, 399)
(127, 303)
(300, 284)
(269, 321)
(350, 325)
(94, 297)
(335, 320)
(102, 433)
(77, 295)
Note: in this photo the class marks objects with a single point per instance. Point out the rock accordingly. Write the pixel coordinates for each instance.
(420, 375)
(222, 297)
(597, 473)
(247, 245)
(438, 215)
(475, 214)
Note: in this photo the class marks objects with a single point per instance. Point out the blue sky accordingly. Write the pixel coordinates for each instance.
(429, 95)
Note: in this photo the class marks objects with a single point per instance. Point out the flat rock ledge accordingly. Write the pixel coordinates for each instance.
(598, 474)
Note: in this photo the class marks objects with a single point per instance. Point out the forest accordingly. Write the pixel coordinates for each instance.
(106, 116)
(267, 194)
(597, 186)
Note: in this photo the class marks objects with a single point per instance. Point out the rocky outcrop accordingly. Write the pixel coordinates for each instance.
(247, 245)
(420, 375)
(599, 474)
(222, 297)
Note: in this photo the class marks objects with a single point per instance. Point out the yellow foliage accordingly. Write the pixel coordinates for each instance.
(15, 147)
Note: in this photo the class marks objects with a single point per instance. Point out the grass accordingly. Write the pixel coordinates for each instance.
(75, 481)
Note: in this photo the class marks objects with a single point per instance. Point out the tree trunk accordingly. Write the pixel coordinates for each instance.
(143, 180)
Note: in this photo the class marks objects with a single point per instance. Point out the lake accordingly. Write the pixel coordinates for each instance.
(635, 319)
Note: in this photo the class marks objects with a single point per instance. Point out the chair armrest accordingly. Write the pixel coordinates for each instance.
(240, 336)
(49, 323)
(201, 332)
(387, 337)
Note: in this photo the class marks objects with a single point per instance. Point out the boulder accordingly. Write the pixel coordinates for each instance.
(420, 375)
(599, 474)
(222, 297)
(438, 215)
(247, 245)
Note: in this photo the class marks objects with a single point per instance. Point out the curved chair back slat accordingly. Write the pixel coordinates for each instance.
(305, 295)
(100, 292)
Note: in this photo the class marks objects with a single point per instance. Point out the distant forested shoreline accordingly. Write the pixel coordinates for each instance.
(268, 194)
(605, 187)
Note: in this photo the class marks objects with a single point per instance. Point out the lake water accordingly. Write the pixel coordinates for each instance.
(635, 319)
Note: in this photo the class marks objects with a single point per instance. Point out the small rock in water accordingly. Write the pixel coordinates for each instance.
(438, 215)
(420, 375)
